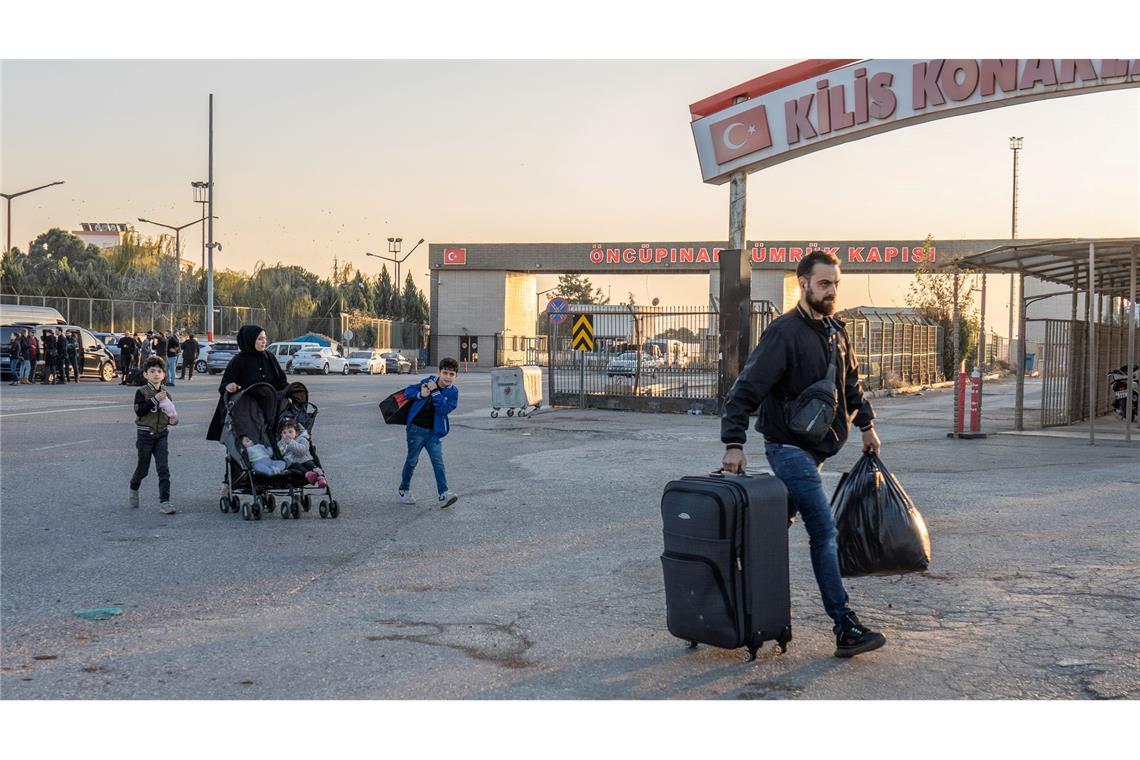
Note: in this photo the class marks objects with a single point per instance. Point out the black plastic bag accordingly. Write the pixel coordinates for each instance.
(880, 530)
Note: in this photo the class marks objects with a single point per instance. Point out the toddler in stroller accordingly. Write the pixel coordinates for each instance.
(256, 466)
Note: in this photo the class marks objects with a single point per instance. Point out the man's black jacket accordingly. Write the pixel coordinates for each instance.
(791, 355)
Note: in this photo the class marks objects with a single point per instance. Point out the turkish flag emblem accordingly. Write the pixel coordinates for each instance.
(741, 134)
(454, 255)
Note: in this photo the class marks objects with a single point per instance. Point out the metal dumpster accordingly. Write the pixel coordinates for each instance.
(515, 389)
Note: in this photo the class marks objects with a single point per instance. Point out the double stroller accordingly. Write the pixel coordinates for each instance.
(257, 413)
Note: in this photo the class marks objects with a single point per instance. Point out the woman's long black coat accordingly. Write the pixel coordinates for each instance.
(245, 369)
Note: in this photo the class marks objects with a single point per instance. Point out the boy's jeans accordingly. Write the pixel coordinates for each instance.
(799, 473)
(418, 439)
(151, 444)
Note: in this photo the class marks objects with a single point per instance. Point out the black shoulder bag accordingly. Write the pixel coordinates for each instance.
(810, 414)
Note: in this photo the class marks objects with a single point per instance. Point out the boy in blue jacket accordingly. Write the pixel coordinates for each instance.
(435, 398)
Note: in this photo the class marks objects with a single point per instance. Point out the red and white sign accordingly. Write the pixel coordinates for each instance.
(739, 135)
(454, 255)
(819, 104)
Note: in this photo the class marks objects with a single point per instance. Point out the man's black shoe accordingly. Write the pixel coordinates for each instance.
(852, 637)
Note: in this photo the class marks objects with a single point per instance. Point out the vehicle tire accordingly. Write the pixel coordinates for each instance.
(323, 509)
(106, 371)
(325, 369)
(345, 370)
(334, 509)
(200, 366)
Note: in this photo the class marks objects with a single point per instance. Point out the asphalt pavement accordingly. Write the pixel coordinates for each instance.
(543, 581)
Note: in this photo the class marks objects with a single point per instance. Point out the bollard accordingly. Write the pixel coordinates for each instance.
(976, 401)
(960, 409)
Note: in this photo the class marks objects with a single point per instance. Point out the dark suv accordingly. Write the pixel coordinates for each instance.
(94, 358)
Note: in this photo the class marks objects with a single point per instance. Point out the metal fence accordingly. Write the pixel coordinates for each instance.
(115, 315)
(1065, 369)
(895, 347)
(513, 350)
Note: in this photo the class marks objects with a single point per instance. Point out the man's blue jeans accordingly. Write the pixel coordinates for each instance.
(419, 439)
(799, 472)
(171, 365)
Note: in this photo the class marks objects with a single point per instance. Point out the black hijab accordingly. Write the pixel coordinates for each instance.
(247, 339)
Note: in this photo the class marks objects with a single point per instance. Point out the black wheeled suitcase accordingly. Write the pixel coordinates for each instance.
(726, 561)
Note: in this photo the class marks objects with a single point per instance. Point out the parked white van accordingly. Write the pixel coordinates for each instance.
(284, 350)
(12, 313)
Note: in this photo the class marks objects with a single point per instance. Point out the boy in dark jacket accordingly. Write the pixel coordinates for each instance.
(153, 407)
(435, 398)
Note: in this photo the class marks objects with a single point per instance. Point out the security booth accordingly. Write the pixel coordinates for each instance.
(1099, 275)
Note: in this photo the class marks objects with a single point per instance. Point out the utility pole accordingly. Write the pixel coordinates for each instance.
(1015, 146)
(210, 231)
(8, 197)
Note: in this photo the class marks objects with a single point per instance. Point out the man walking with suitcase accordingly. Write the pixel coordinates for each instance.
(795, 352)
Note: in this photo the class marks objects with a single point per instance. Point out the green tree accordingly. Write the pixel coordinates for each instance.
(931, 295)
(414, 305)
(385, 294)
(578, 289)
(683, 334)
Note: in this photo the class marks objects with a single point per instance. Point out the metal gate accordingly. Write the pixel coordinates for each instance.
(1065, 369)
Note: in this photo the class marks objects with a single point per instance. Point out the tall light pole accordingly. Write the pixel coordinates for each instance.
(394, 248)
(1015, 146)
(210, 230)
(8, 197)
(201, 199)
(177, 255)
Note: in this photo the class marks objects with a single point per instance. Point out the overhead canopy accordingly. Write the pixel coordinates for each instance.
(1065, 262)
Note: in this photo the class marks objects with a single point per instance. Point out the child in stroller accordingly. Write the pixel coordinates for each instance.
(253, 419)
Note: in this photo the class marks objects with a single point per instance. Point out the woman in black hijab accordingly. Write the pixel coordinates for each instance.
(250, 365)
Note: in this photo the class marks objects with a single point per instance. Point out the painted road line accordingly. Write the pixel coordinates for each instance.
(60, 445)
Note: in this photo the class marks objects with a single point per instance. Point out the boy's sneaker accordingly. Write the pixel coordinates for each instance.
(134, 500)
(446, 499)
(165, 508)
(852, 637)
(406, 498)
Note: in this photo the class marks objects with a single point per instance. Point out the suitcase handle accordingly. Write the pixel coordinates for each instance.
(720, 473)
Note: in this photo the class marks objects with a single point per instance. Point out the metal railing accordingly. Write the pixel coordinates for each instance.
(1065, 369)
(895, 347)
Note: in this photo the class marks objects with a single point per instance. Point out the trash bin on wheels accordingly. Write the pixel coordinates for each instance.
(516, 389)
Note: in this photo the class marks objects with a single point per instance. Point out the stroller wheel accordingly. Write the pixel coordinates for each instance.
(307, 503)
(256, 508)
(271, 503)
(235, 504)
(284, 510)
(246, 512)
(295, 508)
(323, 508)
(334, 509)
(224, 504)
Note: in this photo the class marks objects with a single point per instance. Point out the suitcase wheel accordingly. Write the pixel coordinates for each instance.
(749, 654)
(692, 645)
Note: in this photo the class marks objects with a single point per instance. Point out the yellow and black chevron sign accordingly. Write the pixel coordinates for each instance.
(582, 335)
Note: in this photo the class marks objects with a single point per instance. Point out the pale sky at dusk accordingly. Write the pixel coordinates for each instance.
(321, 158)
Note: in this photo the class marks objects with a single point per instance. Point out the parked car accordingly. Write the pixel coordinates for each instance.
(285, 350)
(95, 359)
(371, 362)
(626, 364)
(319, 359)
(219, 355)
(200, 364)
(111, 341)
(397, 363)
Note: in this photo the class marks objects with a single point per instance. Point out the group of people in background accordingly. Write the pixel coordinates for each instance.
(58, 351)
(134, 350)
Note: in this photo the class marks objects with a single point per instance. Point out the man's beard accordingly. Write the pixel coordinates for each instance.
(826, 308)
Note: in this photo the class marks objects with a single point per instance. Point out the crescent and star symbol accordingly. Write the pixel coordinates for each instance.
(728, 143)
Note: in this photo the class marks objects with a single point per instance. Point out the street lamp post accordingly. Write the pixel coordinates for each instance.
(1015, 146)
(394, 248)
(8, 197)
(177, 255)
(200, 198)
